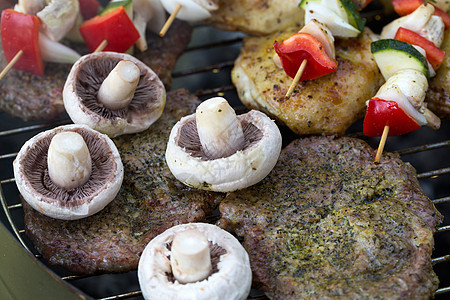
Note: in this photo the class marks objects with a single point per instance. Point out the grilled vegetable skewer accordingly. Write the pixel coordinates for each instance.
(398, 107)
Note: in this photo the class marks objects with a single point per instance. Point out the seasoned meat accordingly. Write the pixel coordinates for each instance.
(150, 201)
(32, 97)
(328, 223)
(326, 105)
(438, 94)
(257, 17)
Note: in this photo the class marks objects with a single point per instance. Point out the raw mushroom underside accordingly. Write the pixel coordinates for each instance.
(189, 139)
(189, 164)
(35, 164)
(89, 79)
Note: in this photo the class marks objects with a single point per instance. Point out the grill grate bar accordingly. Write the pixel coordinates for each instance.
(7, 181)
(31, 128)
(11, 221)
(423, 148)
(123, 296)
(9, 155)
(441, 259)
(15, 206)
(219, 91)
(215, 45)
(443, 290)
(433, 173)
(443, 229)
(441, 200)
(208, 68)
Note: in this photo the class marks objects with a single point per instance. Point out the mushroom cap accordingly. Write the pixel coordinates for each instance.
(35, 186)
(231, 281)
(82, 85)
(185, 158)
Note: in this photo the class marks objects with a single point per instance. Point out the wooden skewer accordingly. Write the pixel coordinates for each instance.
(11, 63)
(102, 46)
(382, 143)
(296, 78)
(170, 21)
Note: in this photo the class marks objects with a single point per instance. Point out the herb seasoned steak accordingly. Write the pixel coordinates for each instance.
(150, 201)
(31, 97)
(328, 223)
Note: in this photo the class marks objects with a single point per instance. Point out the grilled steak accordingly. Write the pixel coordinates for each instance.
(32, 97)
(150, 201)
(329, 223)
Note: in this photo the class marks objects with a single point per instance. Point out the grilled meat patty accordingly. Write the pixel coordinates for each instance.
(326, 105)
(258, 17)
(438, 94)
(31, 97)
(150, 201)
(329, 223)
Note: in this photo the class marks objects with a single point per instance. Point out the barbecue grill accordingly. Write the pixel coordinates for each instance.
(205, 70)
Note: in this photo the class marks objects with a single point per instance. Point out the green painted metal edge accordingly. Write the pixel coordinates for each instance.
(22, 276)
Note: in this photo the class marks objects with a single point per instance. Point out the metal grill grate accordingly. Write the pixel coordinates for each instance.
(205, 69)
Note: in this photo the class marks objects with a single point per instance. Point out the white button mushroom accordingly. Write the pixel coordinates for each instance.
(69, 172)
(114, 93)
(230, 276)
(216, 150)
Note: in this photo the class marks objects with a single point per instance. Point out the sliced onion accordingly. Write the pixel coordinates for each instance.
(336, 24)
(190, 10)
(404, 87)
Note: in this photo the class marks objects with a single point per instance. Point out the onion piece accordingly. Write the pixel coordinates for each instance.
(191, 10)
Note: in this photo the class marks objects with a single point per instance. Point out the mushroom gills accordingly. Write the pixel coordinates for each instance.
(69, 161)
(117, 90)
(190, 258)
(219, 130)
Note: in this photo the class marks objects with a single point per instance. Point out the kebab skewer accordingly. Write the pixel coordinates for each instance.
(407, 54)
(187, 10)
(25, 44)
(310, 53)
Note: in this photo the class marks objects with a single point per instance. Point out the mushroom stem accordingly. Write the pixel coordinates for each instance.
(190, 258)
(117, 90)
(219, 130)
(69, 161)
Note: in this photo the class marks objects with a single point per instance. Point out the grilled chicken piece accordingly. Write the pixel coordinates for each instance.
(258, 17)
(438, 94)
(327, 105)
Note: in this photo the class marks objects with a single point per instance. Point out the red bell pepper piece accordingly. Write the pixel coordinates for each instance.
(381, 113)
(88, 8)
(405, 7)
(434, 55)
(300, 46)
(115, 27)
(445, 16)
(21, 32)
